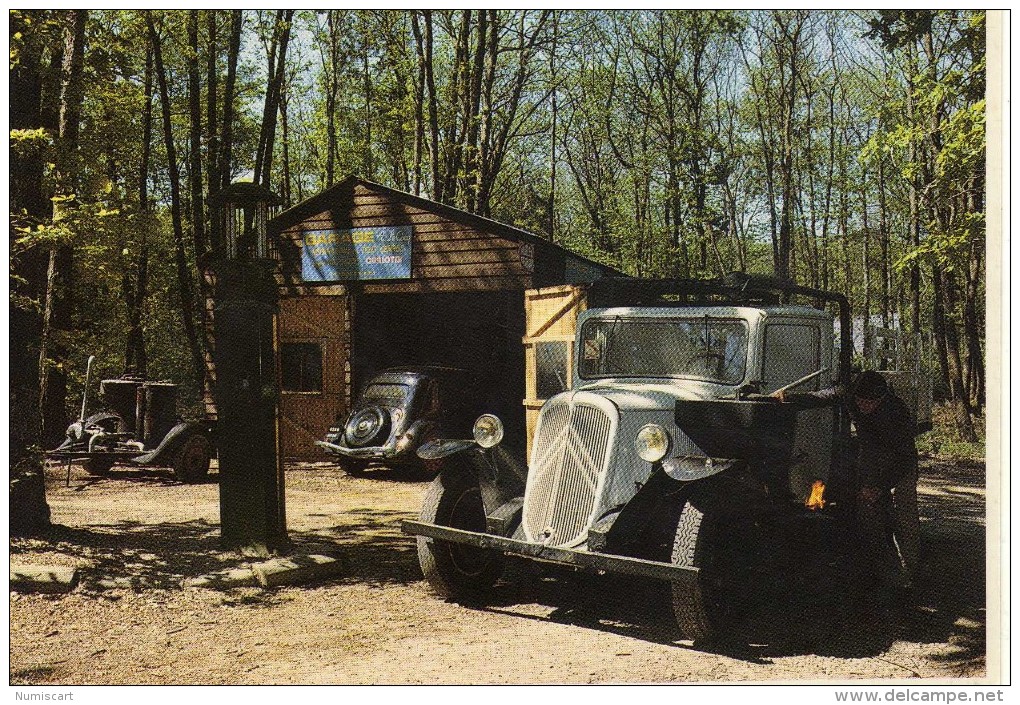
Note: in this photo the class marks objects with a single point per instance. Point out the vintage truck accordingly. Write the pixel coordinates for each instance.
(138, 426)
(664, 456)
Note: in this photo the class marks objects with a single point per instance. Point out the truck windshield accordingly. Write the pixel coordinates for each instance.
(705, 348)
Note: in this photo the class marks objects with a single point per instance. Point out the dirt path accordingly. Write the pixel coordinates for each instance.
(137, 534)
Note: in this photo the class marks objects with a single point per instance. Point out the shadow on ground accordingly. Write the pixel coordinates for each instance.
(817, 615)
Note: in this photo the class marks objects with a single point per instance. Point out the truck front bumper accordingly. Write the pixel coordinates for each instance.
(589, 560)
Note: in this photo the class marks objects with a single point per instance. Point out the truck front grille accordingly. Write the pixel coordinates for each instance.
(569, 455)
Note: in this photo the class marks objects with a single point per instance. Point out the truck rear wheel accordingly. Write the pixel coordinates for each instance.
(192, 462)
(97, 466)
(457, 571)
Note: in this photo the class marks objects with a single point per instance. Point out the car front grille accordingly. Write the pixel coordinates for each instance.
(570, 454)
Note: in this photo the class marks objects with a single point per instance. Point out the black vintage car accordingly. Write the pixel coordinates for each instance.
(398, 410)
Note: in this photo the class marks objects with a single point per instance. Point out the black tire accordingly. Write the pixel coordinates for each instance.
(98, 467)
(456, 571)
(191, 464)
(354, 468)
(367, 426)
(691, 602)
(732, 554)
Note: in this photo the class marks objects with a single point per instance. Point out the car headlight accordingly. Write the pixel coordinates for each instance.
(652, 443)
(488, 431)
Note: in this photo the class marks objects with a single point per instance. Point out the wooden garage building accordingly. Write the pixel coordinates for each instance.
(372, 277)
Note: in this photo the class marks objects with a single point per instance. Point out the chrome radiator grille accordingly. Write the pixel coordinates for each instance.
(569, 455)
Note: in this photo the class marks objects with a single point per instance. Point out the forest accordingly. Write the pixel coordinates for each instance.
(844, 150)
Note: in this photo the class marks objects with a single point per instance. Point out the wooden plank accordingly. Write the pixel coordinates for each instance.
(452, 284)
(547, 321)
(441, 258)
(478, 244)
(564, 338)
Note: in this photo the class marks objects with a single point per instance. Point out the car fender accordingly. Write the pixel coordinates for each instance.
(171, 442)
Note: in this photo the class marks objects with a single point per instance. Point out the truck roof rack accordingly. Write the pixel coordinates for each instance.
(736, 288)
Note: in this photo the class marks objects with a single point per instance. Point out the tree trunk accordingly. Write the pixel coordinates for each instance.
(226, 156)
(135, 358)
(430, 82)
(28, 509)
(274, 89)
(195, 139)
(949, 354)
(185, 284)
(212, 132)
(57, 314)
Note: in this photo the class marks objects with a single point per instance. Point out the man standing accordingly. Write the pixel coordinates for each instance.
(887, 472)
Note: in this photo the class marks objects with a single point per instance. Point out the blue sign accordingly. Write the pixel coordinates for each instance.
(357, 254)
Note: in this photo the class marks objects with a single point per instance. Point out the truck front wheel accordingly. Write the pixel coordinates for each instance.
(457, 571)
(732, 553)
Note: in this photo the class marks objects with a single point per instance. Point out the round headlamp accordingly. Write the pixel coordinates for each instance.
(488, 431)
(652, 443)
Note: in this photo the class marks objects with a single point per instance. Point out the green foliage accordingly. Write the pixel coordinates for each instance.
(945, 442)
(685, 141)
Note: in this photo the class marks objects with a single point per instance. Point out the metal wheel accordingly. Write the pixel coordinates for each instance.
(192, 462)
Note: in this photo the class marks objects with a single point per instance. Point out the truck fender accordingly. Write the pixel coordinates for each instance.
(170, 443)
(722, 483)
(691, 468)
(443, 448)
(500, 475)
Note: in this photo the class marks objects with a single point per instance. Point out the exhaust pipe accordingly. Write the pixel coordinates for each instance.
(85, 394)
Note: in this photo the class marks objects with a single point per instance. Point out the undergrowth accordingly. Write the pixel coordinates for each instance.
(944, 441)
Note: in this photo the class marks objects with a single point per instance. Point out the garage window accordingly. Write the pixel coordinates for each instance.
(301, 367)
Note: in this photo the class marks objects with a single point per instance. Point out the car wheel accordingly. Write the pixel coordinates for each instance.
(191, 464)
(367, 425)
(457, 571)
(354, 468)
(98, 467)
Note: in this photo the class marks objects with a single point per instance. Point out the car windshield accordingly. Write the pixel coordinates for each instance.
(389, 394)
(704, 348)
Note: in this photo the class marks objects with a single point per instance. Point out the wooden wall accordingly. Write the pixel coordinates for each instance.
(305, 416)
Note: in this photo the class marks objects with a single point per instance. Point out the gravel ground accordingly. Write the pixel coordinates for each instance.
(137, 534)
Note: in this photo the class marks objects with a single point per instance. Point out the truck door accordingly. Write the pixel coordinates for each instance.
(550, 316)
(792, 350)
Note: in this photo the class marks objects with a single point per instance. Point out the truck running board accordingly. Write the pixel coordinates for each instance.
(685, 575)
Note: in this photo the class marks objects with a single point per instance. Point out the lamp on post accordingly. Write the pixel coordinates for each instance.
(252, 516)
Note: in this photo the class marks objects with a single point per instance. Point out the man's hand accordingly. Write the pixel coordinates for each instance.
(779, 394)
(868, 495)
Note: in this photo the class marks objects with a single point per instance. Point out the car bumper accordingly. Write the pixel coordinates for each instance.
(599, 562)
(383, 454)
